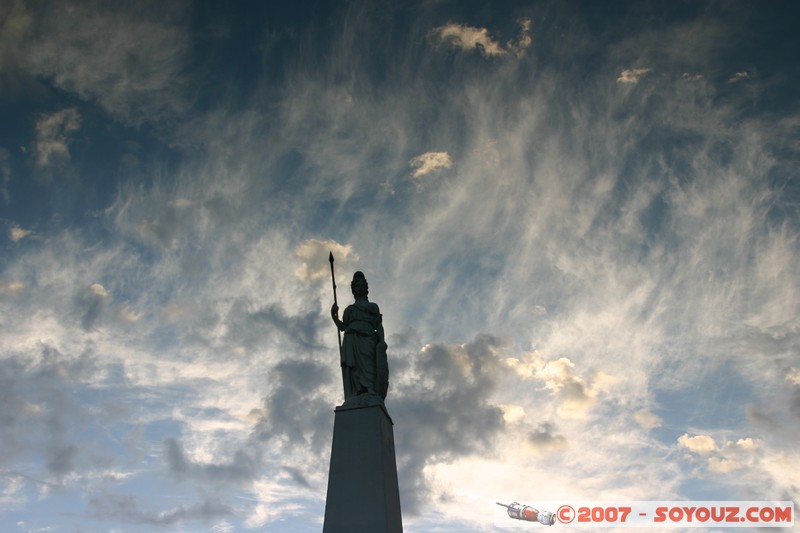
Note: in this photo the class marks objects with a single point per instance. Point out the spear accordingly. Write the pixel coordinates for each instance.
(333, 280)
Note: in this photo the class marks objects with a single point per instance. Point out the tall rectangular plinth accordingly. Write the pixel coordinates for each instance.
(362, 483)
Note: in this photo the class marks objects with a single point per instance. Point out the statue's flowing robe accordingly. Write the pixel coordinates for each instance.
(363, 355)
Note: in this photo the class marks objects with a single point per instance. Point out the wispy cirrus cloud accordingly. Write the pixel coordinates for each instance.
(128, 61)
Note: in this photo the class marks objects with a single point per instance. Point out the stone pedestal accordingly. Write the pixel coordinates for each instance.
(362, 483)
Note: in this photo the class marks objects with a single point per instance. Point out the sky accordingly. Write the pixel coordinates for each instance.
(580, 221)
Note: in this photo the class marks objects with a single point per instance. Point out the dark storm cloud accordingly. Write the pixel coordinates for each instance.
(256, 326)
(63, 460)
(242, 468)
(444, 411)
(545, 438)
(295, 414)
(777, 423)
(774, 352)
(91, 303)
(41, 418)
(776, 345)
(297, 476)
(129, 508)
(762, 417)
(794, 402)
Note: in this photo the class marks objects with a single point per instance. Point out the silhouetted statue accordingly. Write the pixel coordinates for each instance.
(365, 370)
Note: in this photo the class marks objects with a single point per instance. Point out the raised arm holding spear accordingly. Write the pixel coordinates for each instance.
(335, 303)
(339, 329)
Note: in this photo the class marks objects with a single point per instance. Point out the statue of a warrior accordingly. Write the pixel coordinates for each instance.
(363, 354)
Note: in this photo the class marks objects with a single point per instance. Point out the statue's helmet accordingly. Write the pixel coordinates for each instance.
(359, 284)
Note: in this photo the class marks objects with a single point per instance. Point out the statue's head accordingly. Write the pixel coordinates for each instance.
(359, 285)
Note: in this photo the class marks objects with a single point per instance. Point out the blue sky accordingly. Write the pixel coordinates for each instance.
(580, 221)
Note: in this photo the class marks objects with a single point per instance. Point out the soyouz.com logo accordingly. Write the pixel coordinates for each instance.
(717, 514)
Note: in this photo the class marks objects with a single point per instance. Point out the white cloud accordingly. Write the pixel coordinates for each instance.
(126, 314)
(633, 75)
(692, 76)
(722, 465)
(527, 365)
(575, 395)
(512, 413)
(16, 233)
(181, 202)
(701, 444)
(524, 40)
(559, 373)
(11, 287)
(99, 290)
(741, 456)
(52, 136)
(315, 257)
(428, 162)
(223, 527)
(747, 444)
(739, 76)
(469, 38)
(647, 420)
(782, 467)
(12, 497)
